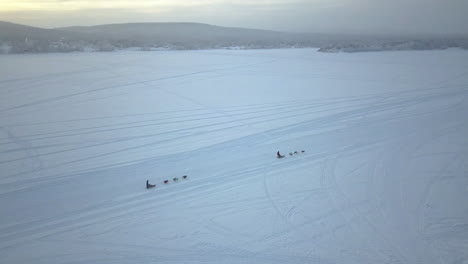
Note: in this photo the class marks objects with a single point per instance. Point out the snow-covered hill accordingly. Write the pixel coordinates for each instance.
(16, 38)
(383, 178)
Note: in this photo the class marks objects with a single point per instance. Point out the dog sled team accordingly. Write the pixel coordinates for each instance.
(175, 179)
(279, 156)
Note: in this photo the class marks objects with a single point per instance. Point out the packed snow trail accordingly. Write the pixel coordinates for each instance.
(383, 178)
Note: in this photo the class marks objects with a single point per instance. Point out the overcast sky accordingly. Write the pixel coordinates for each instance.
(326, 16)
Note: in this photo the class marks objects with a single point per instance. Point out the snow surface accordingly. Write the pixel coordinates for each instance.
(383, 179)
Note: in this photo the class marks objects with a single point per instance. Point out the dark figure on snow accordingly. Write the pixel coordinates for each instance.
(279, 155)
(148, 185)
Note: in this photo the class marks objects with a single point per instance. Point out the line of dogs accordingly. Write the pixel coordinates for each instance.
(295, 152)
(175, 179)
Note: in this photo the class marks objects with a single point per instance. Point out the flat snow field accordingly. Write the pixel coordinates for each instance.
(383, 179)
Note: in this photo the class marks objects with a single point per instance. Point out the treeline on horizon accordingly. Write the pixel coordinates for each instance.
(15, 38)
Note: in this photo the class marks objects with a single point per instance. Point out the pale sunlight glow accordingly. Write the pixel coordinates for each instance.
(66, 5)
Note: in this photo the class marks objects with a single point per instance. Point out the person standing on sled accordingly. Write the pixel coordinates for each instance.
(148, 185)
(279, 155)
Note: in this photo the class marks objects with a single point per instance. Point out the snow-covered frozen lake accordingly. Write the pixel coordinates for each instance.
(383, 179)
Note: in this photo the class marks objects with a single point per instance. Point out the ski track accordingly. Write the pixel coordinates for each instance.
(342, 211)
